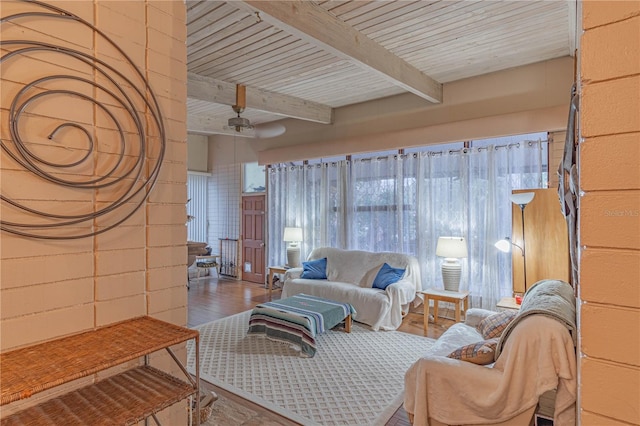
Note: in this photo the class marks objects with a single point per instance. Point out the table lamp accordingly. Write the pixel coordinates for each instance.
(293, 236)
(452, 249)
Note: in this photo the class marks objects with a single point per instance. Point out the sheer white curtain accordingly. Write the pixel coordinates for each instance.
(403, 203)
(442, 209)
(376, 204)
(322, 219)
(285, 206)
(466, 193)
(310, 197)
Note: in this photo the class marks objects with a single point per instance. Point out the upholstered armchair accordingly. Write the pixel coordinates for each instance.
(534, 354)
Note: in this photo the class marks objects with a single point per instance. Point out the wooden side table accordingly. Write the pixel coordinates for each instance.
(508, 303)
(272, 271)
(443, 296)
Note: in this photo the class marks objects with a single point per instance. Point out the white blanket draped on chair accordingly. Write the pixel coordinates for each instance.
(538, 356)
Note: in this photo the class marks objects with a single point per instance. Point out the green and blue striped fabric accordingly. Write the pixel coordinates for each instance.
(297, 320)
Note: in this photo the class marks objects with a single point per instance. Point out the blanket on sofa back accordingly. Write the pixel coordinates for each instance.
(553, 298)
(537, 355)
(537, 358)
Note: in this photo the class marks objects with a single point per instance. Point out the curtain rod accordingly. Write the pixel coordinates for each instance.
(430, 153)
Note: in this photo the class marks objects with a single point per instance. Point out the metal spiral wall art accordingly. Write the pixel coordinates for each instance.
(84, 139)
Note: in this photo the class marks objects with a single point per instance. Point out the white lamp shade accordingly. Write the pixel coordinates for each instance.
(522, 198)
(503, 246)
(453, 247)
(292, 234)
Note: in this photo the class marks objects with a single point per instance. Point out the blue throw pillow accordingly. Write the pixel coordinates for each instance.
(387, 276)
(315, 269)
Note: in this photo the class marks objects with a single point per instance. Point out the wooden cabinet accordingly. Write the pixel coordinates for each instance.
(124, 398)
(546, 240)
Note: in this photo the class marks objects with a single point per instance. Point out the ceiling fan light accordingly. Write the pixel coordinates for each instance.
(239, 123)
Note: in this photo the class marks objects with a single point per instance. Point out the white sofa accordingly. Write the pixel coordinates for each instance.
(350, 275)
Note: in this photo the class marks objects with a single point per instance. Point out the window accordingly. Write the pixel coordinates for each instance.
(197, 206)
(253, 178)
(404, 202)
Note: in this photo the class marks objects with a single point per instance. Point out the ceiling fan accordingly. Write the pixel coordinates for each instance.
(240, 123)
(261, 131)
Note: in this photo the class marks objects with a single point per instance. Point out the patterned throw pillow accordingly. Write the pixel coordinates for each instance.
(480, 353)
(493, 325)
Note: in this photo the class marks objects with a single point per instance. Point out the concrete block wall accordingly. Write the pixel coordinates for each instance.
(224, 203)
(609, 234)
(50, 289)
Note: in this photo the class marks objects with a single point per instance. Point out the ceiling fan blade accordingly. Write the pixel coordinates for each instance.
(269, 130)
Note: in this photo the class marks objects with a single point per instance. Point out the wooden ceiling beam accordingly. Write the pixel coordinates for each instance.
(311, 23)
(221, 92)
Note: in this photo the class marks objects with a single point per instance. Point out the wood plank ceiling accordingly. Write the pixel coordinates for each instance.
(301, 59)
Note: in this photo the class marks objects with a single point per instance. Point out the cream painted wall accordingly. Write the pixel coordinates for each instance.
(53, 288)
(197, 152)
(521, 100)
(224, 150)
(527, 99)
(609, 234)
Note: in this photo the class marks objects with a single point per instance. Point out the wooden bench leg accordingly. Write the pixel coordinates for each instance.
(347, 324)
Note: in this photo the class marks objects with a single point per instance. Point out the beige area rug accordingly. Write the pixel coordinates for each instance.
(231, 413)
(355, 378)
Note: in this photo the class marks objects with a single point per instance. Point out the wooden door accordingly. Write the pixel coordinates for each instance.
(253, 254)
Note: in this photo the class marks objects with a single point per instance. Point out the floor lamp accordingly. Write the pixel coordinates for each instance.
(504, 245)
(521, 199)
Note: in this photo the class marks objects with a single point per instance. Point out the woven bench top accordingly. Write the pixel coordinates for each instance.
(32, 369)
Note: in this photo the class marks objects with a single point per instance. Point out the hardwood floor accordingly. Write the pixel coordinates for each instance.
(211, 298)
